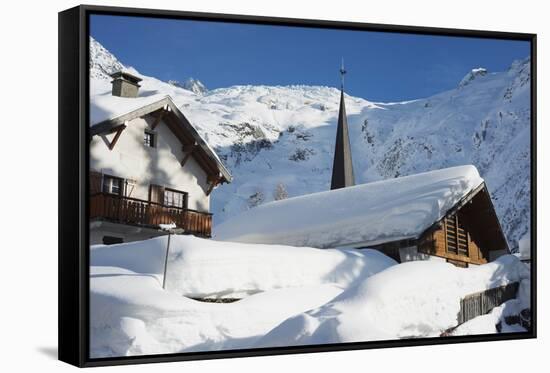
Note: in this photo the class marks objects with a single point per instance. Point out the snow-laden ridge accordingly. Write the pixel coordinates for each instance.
(473, 74)
(102, 62)
(271, 136)
(191, 84)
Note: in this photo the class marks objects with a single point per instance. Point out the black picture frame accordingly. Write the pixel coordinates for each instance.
(73, 183)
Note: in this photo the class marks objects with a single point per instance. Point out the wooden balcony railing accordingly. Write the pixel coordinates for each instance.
(129, 210)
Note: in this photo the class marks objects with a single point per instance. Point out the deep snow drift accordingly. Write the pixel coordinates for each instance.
(367, 214)
(298, 295)
(202, 268)
(413, 299)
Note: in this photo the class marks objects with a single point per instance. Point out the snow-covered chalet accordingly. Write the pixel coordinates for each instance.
(148, 166)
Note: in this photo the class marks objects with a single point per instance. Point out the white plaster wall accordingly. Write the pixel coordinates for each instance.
(130, 159)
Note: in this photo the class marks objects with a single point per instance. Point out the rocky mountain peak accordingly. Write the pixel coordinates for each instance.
(472, 75)
(102, 62)
(191, 84)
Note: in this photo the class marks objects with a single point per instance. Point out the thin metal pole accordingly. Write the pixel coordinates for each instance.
(342, 73)
(166, 261)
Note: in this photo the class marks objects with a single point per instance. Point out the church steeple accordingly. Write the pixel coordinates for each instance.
(342, 168)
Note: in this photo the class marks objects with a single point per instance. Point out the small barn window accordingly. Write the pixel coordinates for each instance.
(456, 236)
(149, 139)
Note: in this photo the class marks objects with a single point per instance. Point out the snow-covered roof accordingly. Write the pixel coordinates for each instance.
(105, 106)
(362, 215)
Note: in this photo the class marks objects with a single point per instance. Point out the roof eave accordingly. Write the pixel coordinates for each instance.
(200, 141)
(109, 124)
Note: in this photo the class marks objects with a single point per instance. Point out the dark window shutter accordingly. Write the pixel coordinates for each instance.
(456, 236)
(156, 193)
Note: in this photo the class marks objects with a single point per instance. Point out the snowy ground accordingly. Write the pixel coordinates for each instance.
(290, 296)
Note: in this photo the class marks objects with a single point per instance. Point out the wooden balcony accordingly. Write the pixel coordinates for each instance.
(133, 211)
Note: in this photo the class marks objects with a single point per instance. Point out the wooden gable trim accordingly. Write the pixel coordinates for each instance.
(465, 200)
(480, 222)
(185, 158)
(206, 153)
(192, 147)
(188, 150)
(482, 192)
(439, 224)
(492, 235)
(158, 118)
(213, 181)
(118, 131)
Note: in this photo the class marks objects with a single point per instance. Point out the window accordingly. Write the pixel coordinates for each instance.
(112, 185)
(111, 240)
(175, 198)
(156, 193)
(456, 236)
(167, 197)
(149, 139)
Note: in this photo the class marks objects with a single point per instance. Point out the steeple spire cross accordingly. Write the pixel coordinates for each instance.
(342, 73)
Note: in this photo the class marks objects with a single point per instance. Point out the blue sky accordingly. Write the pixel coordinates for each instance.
(381, 66)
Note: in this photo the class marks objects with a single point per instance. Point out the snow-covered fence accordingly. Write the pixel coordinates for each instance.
(478, 304)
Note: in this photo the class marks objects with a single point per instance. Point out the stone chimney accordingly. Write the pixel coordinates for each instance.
(125, 84)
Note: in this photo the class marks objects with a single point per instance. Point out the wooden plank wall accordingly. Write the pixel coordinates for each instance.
(435, 243)
(483, 302)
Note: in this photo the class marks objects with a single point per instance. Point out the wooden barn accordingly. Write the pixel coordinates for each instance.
(438, 215)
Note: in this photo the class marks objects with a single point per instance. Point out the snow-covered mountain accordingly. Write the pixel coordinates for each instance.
(191, 84)
(102, 62)
(279, 141)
